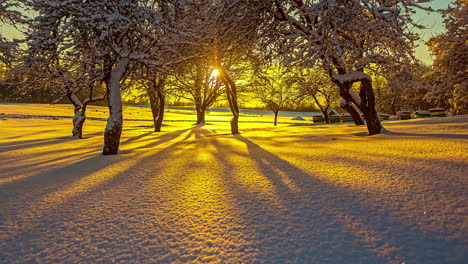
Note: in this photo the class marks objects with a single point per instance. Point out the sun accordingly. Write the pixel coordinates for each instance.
(215, 73)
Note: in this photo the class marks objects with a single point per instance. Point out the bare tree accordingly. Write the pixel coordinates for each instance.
(116, 34)
(80, 106)
(47, 62)
(403, 88)
(63, 81)
(197, 81)
(157, 96)
(347, 38)
(235, 26)
(273, 85)
(152, 82)
(316, 84)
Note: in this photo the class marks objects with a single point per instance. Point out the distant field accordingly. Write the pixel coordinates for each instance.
(144, 113)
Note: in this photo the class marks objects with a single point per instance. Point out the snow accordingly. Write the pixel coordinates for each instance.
(351, 77)
(297, 118)
(286, 194)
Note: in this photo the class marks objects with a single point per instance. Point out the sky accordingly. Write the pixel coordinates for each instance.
(434, 26)
(432, 21)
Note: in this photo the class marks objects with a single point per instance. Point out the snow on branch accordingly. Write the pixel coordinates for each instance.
(351, 77)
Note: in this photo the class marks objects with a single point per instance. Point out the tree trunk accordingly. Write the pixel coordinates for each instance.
(348, 106)
(394, 112)
(79, 117)
(231, 93)
(348, 102)
(157, 103)
(78, 122)
(200, 114)
(324, 111)
(153, 103)
(234, 124)
(367, 107)
(235, 115)
(326, 117)
(276, 117)
(160, 115)
(154, 108)
(114, 125)
(365, 102)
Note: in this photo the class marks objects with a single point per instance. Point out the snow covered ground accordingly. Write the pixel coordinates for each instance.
(290, 194)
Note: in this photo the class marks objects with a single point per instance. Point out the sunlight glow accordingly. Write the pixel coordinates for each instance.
(215, 73)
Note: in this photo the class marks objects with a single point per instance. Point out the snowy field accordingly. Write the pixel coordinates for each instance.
(297, 193)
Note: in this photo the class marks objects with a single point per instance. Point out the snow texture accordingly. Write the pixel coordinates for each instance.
(290, 194)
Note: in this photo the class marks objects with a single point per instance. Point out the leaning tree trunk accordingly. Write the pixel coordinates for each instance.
(366, 100)
(367, 107)
(348, 103)
(323, 110)
(345, 82)
(201, 109)
(235, 124)
(114, 125)
(348, 106)
(231, 93)
(232, 99)
(80, 116)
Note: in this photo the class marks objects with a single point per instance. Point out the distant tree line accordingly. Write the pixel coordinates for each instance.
(322, 54)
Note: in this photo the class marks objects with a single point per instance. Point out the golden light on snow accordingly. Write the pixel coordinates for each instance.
(199, 194)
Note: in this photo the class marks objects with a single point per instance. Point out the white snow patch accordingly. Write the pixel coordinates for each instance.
(297, 118)
(352, 76)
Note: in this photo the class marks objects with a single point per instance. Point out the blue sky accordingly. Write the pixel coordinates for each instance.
(432, 21)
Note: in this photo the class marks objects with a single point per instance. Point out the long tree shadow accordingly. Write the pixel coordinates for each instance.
(131, 139)
(42, 163)
(290, 223)
(131, 190)
(61, 191)
(53, 156)
(155, 153)
(290, 217)
(40, 198)
(31, 133)
(4, 147)
(445, 136)
(43, 183)
(351, 230)
(376, 163)
(24, 144)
